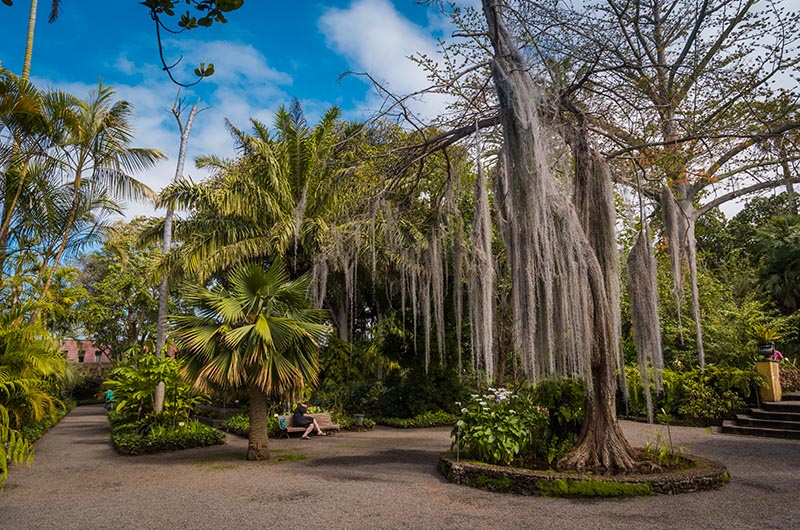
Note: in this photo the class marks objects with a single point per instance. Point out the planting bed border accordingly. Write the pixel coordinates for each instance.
(704, 474)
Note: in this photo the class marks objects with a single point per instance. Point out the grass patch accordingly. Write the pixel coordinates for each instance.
(276, 458)
(562, 487)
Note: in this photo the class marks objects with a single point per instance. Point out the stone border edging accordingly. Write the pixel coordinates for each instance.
(705, 474)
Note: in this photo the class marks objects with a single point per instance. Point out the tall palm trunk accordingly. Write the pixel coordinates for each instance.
(26, 63)
(67, 231)
(258, 440)
(163, 288)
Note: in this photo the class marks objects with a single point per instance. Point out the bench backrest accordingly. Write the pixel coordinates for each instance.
(323, 419)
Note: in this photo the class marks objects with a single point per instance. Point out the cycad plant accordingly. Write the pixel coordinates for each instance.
(255, 331)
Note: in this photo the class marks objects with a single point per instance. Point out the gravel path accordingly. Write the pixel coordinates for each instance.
(385, 478)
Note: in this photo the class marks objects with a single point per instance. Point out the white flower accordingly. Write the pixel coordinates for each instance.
(481, 403)
(464, 410)
(460, 423)
(458, 403)
(512, 411)
(276, 415)
(181, 423)
(485, 408)
(474, 396)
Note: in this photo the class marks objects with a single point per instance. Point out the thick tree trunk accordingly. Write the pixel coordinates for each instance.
(258, 440)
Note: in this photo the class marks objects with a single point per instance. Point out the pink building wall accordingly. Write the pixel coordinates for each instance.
(83, 351)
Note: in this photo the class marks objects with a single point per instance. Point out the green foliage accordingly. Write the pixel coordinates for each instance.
(131, 439)
(564, 399)
(779, 272)
(663, 453)
(695, 396)
(31, 371)
(119, 310)
(412, 392)
(36, 430)
(86, 389)
(504, 428)
(238, 424)
(426, 419)
(134, 381)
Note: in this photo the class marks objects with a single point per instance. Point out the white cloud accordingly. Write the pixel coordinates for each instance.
(375, 38)
(243, 86)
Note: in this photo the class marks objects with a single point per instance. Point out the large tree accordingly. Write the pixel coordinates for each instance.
(254, 331)
(563, 317)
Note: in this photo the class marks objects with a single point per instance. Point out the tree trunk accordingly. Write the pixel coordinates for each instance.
(26, 63)
(163, 288)
(258, 439)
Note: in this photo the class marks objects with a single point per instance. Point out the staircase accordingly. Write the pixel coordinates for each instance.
(775, 419)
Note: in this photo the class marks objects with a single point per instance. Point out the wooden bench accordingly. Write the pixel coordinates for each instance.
(323, 420)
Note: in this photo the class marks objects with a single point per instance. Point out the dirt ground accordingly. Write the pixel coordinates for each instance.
(380, 479)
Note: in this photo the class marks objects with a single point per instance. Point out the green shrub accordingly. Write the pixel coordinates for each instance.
(426, 419)
(240, 424)
(696, 396)
(130, 440)
(348, 423)
(34, 431)
(531, 427)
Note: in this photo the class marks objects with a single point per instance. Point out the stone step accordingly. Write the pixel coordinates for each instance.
(781, 406)
(731, 427)
(750, 421)
(774, 415)
(792, 396)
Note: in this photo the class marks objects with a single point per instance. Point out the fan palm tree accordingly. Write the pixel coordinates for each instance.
(92, 144)
(256, 332)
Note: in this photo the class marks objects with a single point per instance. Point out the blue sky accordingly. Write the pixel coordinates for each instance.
(268, 54)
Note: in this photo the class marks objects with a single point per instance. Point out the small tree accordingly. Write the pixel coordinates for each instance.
(253, 331)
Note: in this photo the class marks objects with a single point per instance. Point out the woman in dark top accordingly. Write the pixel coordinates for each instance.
(301, 419)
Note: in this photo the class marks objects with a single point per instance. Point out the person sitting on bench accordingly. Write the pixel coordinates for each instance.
(301, 419)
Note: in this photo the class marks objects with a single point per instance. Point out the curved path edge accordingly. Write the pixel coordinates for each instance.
(704, 474)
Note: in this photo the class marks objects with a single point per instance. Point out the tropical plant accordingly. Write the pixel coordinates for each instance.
(253, 331)
(134, 380)
(282, 196)
(91, 149)
(31, 368)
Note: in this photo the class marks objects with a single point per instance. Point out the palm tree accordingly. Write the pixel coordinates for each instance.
(23, 168)
(255, 331)
(92, 146)
(285, 195)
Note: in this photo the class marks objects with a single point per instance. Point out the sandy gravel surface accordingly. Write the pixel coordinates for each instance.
(384, 478)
